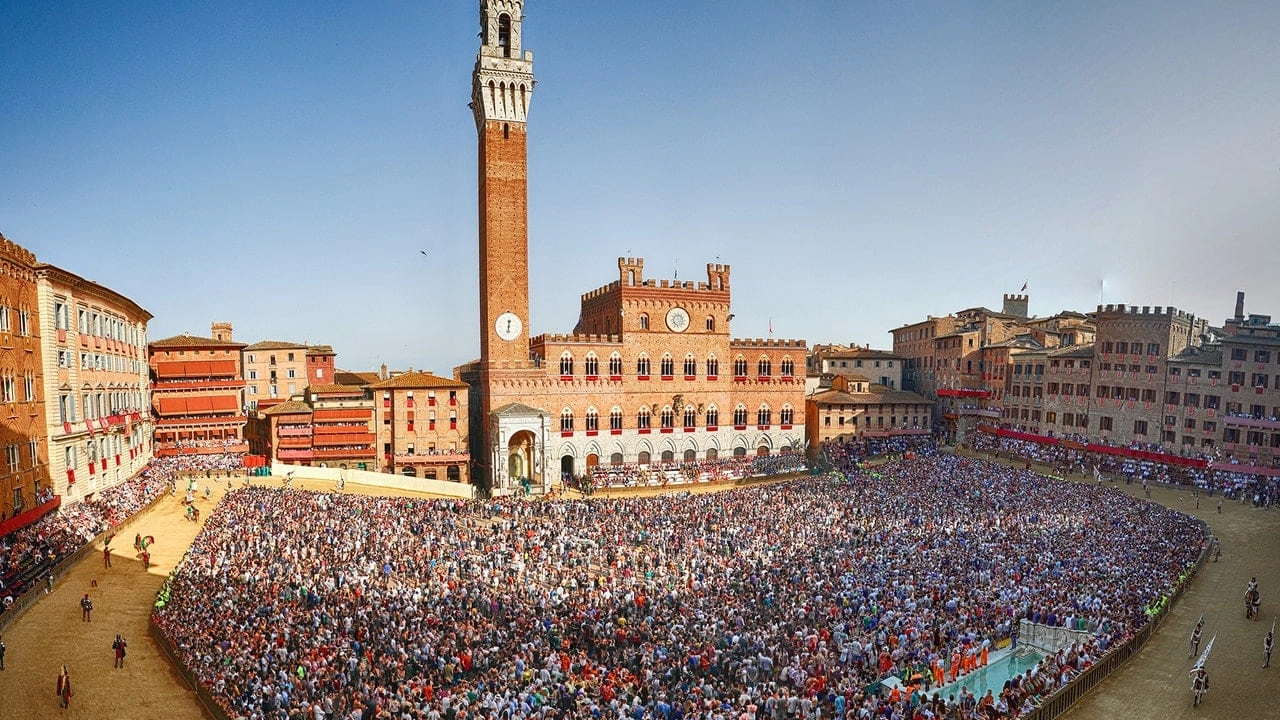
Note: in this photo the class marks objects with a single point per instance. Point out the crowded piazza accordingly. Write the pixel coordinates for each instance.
(777, 600)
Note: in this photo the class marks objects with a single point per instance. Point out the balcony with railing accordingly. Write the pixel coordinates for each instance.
(1252, 421)
(339, 428)
(297, 431)
(442, 458)
(350, 438)
(348, 453)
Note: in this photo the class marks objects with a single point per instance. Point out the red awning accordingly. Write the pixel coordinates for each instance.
(171, 406)
(171, 369)
(21, 520)
(1159, 457)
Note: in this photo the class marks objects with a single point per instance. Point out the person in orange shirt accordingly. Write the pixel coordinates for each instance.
(955, 665)
(983, 660)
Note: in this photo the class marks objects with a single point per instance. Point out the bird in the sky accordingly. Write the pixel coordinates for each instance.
(424, 252)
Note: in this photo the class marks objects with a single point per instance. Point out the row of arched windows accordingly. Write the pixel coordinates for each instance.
(667, 366)
(667, 417)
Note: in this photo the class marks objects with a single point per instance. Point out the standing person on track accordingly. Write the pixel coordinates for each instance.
(119, 646)
(1199, 684)
(1195, 637)
(64, 687)
(1266, 648)
(86, 608)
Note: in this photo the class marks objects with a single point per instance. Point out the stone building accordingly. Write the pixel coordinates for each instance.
(1249, 376)
(1021, 377)
(24, 476)
(1129, 367)
(197, 393)
(880, 366)
(914, 343)
(421, 425)
(851, 407)
(96, 382)
(650, 372)
(276, 370)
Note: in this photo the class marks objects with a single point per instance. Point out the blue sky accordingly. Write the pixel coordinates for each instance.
(860, 165)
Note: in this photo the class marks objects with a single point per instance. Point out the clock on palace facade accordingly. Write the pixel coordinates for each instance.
(677, 319)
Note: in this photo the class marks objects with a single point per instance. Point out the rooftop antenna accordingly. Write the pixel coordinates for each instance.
(676, 276)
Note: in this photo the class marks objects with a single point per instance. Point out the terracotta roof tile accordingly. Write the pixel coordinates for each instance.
(185, 340)
(275, 345)
(288, 407)
(417, 380)
(360, 379)
(336, 388)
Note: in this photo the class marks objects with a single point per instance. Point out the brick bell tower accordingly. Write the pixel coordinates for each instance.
(501, 88)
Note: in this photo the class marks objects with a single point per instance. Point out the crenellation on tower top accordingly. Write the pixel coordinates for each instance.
(718, 276)
(631, 271)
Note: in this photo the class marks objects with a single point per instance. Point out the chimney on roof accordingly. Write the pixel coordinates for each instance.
(222, 331)
(383, 374)
(1240, 306)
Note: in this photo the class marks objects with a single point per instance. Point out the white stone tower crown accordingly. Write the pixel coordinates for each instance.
(503, 79)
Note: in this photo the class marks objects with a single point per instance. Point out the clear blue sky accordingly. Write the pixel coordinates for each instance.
(860, 164)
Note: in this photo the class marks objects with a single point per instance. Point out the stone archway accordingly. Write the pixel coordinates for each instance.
(520, 465)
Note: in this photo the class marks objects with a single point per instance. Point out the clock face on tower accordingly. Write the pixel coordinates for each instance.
(677, 319)
(508, 326)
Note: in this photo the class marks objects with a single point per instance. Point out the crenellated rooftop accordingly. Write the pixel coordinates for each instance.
(16, 252)
(574, 338)
(767, 343)
(1158, 310)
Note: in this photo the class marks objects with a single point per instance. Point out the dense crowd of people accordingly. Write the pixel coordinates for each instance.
(1262, 490)
(29, 554)
(760, 603)
(845, 455)
(688, 471)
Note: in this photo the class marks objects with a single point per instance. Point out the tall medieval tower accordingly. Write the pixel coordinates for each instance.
(501, 89)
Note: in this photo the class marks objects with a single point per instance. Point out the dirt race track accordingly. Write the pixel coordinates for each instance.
(1153, 685)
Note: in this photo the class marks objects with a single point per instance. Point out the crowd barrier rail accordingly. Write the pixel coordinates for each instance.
(22, 603)
(1066, 696)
